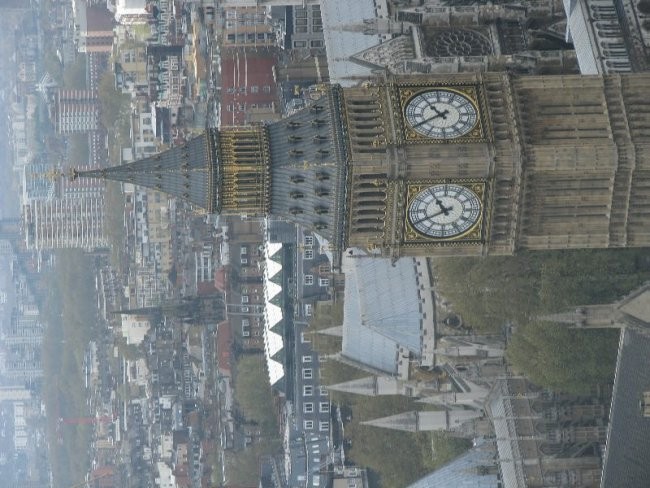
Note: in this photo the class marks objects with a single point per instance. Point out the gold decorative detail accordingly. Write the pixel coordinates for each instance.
(51, 175)
(407, 91)
(474, 235)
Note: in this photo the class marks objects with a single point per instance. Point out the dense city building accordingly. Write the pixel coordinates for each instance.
(71, 218)
(76, 111)
(340, 145)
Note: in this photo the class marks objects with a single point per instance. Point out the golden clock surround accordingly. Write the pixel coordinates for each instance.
(406, 92)
(474, 235)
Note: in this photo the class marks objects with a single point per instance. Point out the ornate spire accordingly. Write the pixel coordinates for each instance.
(426, 420)
(294, 169)
(190, 172)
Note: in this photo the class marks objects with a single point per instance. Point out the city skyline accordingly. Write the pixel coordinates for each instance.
(312, 266)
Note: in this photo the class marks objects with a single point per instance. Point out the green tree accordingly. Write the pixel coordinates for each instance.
(494, 291)
(51, 63)
(70, 316)
(395, 458)
(243, 467)
(490, 292)
(114, 223)
(564, 359)
(253, 393)
(74, 75)
(114, 105)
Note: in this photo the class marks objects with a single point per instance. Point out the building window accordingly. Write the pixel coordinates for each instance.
(303, 339)
(317, 43)
(266, 89)
(255, 89)
(323, 282)
(299, 44)
(308, 309)
(243, 251)
(244, 298)
(308, 424)
(308, 407)
(309, 240)
(306, 359)
(307, 373)
(308, 280)
(323, 426)
(324, 407)
(307, 390)
(309, 254)
(322, 390)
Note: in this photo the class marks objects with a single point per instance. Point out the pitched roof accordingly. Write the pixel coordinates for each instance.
(474, 469)
(382, 311)
(309, 167)
(626, 460)
(637, 305)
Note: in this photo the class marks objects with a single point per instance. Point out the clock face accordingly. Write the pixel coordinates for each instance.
(441, 114)
(444, 211)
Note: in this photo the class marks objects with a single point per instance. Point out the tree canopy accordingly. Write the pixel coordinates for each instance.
(115, 105)
(70, 315)
(563, 359)
(254, 398)
(74, 74)
(494, 291)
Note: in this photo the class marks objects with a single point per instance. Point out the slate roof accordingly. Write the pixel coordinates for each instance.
(382, 311)
(500, 408)
(626, 461)
(190, 172)
(474, 469)
(343, 22)
(309, 168)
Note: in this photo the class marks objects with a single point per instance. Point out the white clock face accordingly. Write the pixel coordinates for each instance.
(441, 114)
(444, 211)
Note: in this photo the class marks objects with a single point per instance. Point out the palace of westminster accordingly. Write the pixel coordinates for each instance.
(474, 137)
(455, 164)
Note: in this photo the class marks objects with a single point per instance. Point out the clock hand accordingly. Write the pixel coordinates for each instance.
(442, 115)
(443, 209)
(427, 217)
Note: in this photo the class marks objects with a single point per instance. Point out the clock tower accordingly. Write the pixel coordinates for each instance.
(489, 163)
(466, 164)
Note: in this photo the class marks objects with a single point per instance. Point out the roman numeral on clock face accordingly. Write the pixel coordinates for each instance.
(442, 114)
(444, 211)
